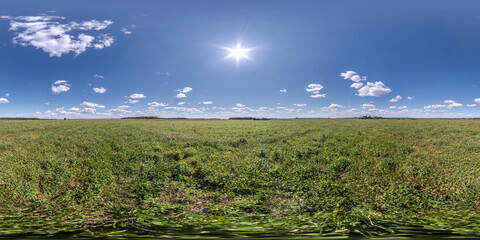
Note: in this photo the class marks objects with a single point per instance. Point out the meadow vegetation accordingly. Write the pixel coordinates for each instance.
(220, 177)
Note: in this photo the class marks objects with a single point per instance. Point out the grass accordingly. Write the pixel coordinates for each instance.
(227, 178)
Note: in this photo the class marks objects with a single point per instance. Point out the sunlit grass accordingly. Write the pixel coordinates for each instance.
(368, 177)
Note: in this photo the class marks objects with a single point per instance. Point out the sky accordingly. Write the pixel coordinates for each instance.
(225, 58)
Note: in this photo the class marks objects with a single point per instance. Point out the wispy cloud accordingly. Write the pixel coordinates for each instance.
(283, 90)
(91, 105)
(130, 101)
(156, 104)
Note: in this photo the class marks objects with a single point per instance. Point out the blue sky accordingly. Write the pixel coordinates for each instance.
(110, 59)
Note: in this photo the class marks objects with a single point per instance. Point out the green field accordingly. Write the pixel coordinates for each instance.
(227, 178)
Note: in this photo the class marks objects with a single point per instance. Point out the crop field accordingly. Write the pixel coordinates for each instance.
(313, 177)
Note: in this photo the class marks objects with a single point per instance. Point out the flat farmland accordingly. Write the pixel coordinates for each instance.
(223, 177)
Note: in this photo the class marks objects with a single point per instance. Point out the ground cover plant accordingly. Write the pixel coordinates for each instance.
(226, 178)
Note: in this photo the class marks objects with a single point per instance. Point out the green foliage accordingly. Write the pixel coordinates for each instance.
(338, 176)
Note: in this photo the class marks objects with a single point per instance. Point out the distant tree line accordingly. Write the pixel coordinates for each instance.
(19, 118)
(248, 118)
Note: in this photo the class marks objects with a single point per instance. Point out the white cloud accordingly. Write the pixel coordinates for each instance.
(452, 104)
(156, 104)
(91, 105)
(368, 106)
(318, 95)
(7, 95)
(283, 90)
(472, 105)
(438, 106)
(46, 103)
(185, 90)
(356, 85)
(334, 106)
(477, 100)
(54, 38)
(377, 89)
(130, 101)
(395, 99)
(137, 96)
(348, 74)
(353, 76)
(184, 109)
(83, 111)
(3, 100)
(120, 110)
(100, 90)
(410, 98)
(60, 86)
(300, 104)
(181, 103)
(239, 105)
(207, 102)
(181, 95)
(402, 107)
(314, 87)
(124, 30)
(393, 107)
(98, 76)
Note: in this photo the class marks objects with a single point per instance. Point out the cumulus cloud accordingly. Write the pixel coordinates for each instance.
(283, 90)
(137, 96)
(369, 89)
(377, 89)
(91, 105)
(3, 100)
(46, 103)
(60, 86)
(452, 104)
(100, 90)
(438, 106)
(207, 102)
(130, 101)
(98, 76)
(120, 110)
(395, 99)
(181, 95)
(353, 76)
(472, 105)
(356, 85)
(477, 100)
(368, 106)
(181, 103)
(7, 95)
(56, 38)
(334, 106)
(185, 90)
(300, 104)
(156, 104)
(239, 105)
(410, 98)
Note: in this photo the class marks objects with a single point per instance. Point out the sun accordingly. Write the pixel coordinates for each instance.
(238, 53)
